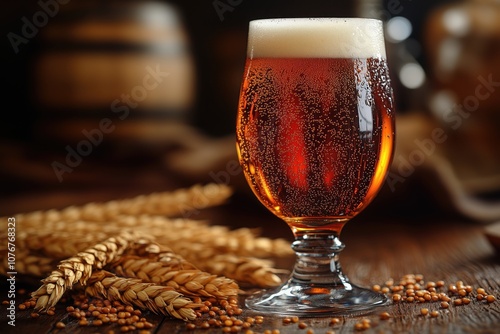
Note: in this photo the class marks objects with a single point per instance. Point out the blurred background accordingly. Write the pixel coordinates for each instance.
(108, 99)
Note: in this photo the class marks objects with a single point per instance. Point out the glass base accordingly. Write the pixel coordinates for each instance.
(316, 300)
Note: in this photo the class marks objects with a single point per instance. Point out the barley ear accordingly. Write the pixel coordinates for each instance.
(249, 270)
(156, 298)
(78, 269)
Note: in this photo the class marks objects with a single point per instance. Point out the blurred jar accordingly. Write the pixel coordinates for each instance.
(126, 61)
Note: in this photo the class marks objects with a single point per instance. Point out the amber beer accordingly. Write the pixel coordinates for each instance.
(315, 126)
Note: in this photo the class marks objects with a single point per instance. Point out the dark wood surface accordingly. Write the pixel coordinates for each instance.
(376, 249)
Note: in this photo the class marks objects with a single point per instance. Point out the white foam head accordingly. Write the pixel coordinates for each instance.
(316, 38)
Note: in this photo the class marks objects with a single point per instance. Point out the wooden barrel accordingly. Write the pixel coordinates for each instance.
(463, 47)
(126, 61)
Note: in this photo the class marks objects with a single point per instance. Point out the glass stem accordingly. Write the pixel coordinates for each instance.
(317, 261)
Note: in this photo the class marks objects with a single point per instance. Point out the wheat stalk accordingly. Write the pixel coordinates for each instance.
(152, 251)
(158, 264)
(61, 238)
(197, 283)
(162, 270)
(60, 234)
(195, 241)
(195, 252)
(157, 298)
(78, 269)
(215, 239)
(245, 270)
(256, 272)
(178, 202)
(250, 270)
(60, 244)
(243, 241)
(199, 248)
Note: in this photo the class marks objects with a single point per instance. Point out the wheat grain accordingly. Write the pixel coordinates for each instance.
(78, 269)
(157, 298)
(244, 270)
(158, 264)
(162, 270)
(249, 270)
(152, 251)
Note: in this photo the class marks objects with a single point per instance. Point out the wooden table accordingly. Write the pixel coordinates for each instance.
(376, 249)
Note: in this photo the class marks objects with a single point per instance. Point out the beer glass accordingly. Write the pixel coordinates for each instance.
(315, 137)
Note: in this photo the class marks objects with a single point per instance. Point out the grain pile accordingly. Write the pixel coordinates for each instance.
(134, 252)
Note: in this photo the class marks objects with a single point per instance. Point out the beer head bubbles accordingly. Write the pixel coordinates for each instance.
(316, 38)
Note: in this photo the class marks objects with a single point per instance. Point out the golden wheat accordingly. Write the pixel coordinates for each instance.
(162, 270)
(157, 298)
(78, 269)
(178, 202)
